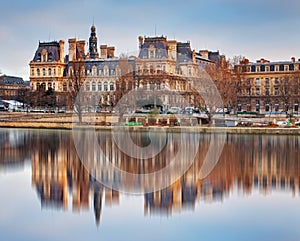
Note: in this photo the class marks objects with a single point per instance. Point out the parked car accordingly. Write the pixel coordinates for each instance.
(174, 110)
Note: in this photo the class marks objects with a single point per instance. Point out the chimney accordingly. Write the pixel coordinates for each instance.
(62, 50)
(72, 49)
(141, 41)
(103, 50)
(293, 59)
(262, 60)
(81, 44)
(111, 52)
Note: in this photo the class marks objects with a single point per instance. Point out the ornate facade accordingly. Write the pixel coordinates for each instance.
(51, 69)
(267, 86)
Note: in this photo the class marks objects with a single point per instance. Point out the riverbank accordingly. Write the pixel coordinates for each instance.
(101, 122)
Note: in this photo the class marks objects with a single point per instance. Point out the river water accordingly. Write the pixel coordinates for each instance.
(56, 185)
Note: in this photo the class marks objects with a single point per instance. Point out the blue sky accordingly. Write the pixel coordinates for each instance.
(254, 29)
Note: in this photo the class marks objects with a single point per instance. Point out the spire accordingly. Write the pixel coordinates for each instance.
(93, 44)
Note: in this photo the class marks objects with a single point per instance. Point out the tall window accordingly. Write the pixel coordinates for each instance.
(111, 86)
(93, 86)
(105, 86)
(49, 72)
(257, 81)
(44, 72)
(99, 86)
(87, 86)
(38, 72)
(257, 91)
(32, 72)
(276, 91)
(267, 81)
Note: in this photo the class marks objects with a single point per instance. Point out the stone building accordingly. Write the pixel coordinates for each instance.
(267, 86)
(13, 88)
(51, 69)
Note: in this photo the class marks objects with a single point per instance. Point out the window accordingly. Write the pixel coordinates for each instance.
(87, 86)
(267, 107)
(151, 54)
(267, 81)
(54, 71)
(286, 68)
(44, 58)
(267, 91)
(276, 91)
(276, 81)
(105, 86)
(111, 86)
(65, 87)
(276, 107)
(50, 56)
(296, 107)
(239, 107)
(49, 72)
(257, 68)
(267, 68)
(99, 86)
(257, 91)
(44, 72)
(276, 68)
(32, 72)
(38, 72)
(93, 86)
(257, 81)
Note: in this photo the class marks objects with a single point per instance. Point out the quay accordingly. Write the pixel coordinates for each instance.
(107, 122)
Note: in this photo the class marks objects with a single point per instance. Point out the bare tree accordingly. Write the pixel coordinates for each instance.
(76, 80)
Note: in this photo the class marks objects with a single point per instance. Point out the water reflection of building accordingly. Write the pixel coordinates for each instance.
(13, 148)
(247, 163)
(57, 173)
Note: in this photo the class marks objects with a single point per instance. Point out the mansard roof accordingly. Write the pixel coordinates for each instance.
(52, 48)
(159, 43)
(4, 79)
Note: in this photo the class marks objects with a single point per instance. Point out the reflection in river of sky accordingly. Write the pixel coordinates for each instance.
(252, 193)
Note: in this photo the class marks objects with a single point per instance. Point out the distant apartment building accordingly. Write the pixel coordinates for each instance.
(102, 70)
(12, 88)
(267, 86)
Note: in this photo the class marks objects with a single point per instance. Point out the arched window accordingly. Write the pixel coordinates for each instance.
(38, 72)
(49, 72)
(44, 72)
(105, 86)
(93, 86)
(111, 86)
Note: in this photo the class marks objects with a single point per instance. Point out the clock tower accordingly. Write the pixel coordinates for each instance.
(93, 52)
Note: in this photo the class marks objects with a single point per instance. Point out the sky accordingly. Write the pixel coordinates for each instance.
(254, 29)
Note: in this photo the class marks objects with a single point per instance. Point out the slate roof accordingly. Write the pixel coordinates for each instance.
(4, 79)
(159, 43)
(53, 48)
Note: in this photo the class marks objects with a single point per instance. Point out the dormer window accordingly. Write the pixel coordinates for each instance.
(50, 57)
(151, 54)
(44, 57)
